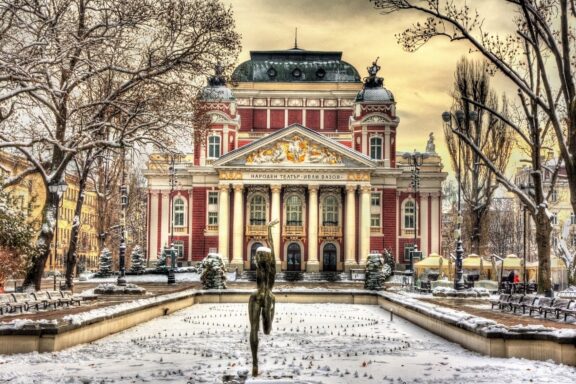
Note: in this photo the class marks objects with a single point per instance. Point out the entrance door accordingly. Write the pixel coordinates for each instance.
(329, 258)
(253, 255)
(294, 257)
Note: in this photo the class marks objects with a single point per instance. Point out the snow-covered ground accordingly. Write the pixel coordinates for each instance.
(310, 343)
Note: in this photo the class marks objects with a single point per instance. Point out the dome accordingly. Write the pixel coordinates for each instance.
(374, 90)
(295, 65)
(217, 93)
(375, 94)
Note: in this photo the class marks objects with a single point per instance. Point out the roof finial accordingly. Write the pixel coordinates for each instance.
(296, 38)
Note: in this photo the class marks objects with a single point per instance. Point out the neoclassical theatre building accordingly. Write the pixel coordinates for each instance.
(297, 136)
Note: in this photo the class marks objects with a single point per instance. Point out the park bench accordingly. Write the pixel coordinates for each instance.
(556, 306)
(43, 298)
(570, 310)
(70, 298)
(26, 299)
(8, 304)
(514, 300)
(539, 303)
(502, 299)
(524, 303)
(59, 298)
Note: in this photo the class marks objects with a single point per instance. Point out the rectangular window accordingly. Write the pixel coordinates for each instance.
(573, 219)
(375, 199)
(212, 218)
(212, 198)
(179, 246)
(407, 249)
(375, 220)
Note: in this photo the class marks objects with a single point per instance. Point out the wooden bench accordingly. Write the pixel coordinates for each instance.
(27, 300)
(539, 303)
(557, 305)
(570, 310)
(43, 298)
(502, 299)
(74, 299)
(8, 304)
(524, 303)
(514, 300)
(59, 298)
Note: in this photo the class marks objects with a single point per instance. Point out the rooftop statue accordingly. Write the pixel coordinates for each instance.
(373, 81)
(262, 301)
(430, 146)
(218, 79)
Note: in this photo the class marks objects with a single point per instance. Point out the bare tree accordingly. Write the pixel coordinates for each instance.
(546, 88)
(478, 183)
(78, 75)
(504, 229)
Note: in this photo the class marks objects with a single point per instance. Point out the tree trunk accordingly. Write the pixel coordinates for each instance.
(543, 231)
(34, 273)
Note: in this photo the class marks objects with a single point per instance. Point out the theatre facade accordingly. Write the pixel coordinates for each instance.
(297, 136)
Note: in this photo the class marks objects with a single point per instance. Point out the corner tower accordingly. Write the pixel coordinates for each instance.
(374, 121)
(220, 121)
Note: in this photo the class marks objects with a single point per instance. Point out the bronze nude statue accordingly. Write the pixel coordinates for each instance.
(262, 301)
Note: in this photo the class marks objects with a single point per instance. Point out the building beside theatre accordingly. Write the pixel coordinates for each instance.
(297, 136)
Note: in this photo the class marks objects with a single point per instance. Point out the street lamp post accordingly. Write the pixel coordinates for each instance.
(122, 249)
(58, 188)
(415, 159)
(447, 117)
(172, 175)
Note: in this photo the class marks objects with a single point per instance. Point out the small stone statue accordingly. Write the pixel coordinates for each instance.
(262, 301)
(430, 146)
(373, 81)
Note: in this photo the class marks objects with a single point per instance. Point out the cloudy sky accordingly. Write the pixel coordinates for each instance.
(421, 81)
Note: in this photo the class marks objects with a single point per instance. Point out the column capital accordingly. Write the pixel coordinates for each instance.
(238, 187)
(275, 188)
(223, 187)
(366, 188)
(350, 188)
(313, 188)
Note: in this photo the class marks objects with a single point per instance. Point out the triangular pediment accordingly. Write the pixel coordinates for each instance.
(295, 146)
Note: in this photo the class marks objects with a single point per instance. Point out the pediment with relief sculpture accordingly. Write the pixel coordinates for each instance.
(295, 146)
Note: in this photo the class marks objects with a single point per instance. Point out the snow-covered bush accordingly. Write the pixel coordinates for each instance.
(105, 268)
(161, 262)
(137, 260)
(374, 273)
(213, 272)
(389, 263)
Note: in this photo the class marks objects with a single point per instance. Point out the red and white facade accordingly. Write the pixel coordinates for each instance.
(318, 155)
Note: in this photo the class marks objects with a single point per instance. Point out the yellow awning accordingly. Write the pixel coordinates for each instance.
(512, 262)
(556, 264)
(473, 261)
(433, 261)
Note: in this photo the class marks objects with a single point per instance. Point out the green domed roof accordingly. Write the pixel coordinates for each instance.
(295, 65)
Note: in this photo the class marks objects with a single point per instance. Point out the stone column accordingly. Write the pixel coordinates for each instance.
(155, 244)
(364, 224)
(275, 215)
(223, 222)
(423, 224)
(312, 265)
(238, 229)
(387, 147)
(165, 220)
(350, 228)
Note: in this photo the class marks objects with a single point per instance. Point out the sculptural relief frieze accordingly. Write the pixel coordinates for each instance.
(294, 150)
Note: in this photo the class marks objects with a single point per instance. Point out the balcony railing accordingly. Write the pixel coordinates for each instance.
(330, 231)
(212, 228)
(179, 229)
(408, 231)
(293, 230)
(256, 230)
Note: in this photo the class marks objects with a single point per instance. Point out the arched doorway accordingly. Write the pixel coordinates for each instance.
(329, 258)
(253, 249)
(294, 257)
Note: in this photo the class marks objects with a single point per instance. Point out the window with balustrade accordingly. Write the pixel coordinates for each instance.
(257, 210)
(178, 212)
(294, 211)
(330, 211)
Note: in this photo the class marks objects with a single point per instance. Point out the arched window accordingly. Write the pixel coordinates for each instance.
(409, 214)
(213, 147)
(257, 210)
(294, 211)
(178, 212)
(376, 148)
(330, 211)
